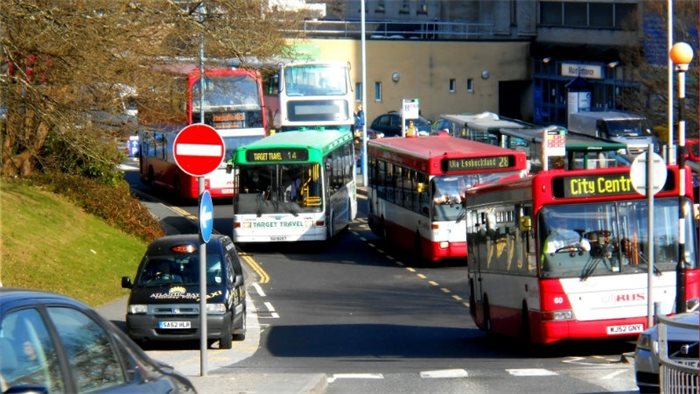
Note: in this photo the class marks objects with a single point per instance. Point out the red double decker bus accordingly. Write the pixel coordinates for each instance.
(416, 186)
(563, 255)
(232, 103)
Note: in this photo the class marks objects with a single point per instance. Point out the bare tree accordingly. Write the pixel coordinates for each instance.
(652, 98)
(64, 61)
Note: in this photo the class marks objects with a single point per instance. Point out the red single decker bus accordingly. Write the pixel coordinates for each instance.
(564, 255)
(416, 186)
(232, 103)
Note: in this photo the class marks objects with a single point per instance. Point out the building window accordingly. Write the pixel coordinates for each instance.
(601, 14)
(405, 9)
(551, 13)
(379, 9)
(575, 14)
(626, 16)
(422, 8)
(377, 91)
(358, 91)
(470, 85)
(452, 85)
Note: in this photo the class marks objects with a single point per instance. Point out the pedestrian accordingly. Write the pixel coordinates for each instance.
(359, 121)
(411, 131)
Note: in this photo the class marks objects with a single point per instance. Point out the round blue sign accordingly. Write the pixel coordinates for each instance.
(206, 216)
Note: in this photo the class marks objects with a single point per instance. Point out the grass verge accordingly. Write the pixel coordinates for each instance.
(48, 243)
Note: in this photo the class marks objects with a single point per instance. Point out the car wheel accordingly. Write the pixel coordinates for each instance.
(226, 341)
(239, 334)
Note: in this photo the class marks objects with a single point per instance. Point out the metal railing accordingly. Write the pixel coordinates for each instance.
(676, 376)
(417, 30)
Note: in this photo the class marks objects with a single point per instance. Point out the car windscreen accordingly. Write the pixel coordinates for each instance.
(179, 269)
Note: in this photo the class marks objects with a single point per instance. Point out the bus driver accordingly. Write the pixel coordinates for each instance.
(560, 236)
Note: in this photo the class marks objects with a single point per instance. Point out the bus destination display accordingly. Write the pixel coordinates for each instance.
(476, 163)
(275, 155)
(599, 185)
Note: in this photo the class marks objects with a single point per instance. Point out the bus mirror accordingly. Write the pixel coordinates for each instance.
(420, 187)
(525, 223)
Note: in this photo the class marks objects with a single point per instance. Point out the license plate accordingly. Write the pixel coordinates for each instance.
(174, 324)
(278, 238)
(626, 329)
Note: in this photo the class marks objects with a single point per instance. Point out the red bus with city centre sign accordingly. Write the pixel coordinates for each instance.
(563, 255)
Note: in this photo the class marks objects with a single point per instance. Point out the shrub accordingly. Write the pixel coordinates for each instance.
(115, 204)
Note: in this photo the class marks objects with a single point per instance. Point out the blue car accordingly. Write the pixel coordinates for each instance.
(51, 343)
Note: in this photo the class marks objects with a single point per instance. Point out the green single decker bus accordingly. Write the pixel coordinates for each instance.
(294, 186)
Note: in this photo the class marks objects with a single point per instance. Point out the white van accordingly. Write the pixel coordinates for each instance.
(627, 128)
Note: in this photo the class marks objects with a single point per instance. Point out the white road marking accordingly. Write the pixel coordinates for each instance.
(444, 373)
(613, 374)
(336, 376)
(259, 290)
(531, 372)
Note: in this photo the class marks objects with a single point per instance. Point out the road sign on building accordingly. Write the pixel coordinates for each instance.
(198, 149)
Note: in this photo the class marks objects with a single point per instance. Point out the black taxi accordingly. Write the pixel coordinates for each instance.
(164, 300)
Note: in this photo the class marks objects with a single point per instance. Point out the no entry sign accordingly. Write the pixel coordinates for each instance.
(198, 149)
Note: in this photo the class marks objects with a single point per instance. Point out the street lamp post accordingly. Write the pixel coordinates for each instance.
(612, 66)
(681, 54)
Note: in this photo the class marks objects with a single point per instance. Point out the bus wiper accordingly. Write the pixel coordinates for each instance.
(589, 268)
(462, 215)
(645, 260)
(292, 208)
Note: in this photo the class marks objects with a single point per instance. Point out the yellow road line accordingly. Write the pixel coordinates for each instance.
(264, 277)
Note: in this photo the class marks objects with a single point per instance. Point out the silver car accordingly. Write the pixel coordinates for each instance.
(682, 344)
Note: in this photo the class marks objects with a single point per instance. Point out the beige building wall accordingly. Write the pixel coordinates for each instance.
(425, 71)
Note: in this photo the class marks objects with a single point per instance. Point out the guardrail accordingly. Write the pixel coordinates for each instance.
(417, 30)
(677, 376)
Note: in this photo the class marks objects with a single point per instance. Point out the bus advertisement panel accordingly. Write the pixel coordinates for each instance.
(311, 95)
(416, 186)
(294, 186)
(232, 103)
(563, 255)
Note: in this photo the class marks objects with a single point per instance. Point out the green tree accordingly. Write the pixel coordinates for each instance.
(66, 65)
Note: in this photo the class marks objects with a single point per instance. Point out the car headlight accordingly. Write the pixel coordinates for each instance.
(217, 309)
(645, 341)
(692, 304)
(137, 309)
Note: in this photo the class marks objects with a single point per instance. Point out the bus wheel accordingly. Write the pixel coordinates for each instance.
(151, 177)
(419, 248)
(472, 299)
(331, 225)
(525, 324)
(487, 317)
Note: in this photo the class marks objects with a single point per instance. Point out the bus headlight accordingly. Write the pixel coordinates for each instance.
(137, 309)
(444, 245)
(216, 309)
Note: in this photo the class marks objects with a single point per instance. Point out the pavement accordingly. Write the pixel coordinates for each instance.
(220, 374)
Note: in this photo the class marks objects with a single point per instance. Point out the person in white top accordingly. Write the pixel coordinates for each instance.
(560, 236)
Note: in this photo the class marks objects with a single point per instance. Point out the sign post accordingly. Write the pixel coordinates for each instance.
(198, 149)
(648, 176)
(554, 144)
